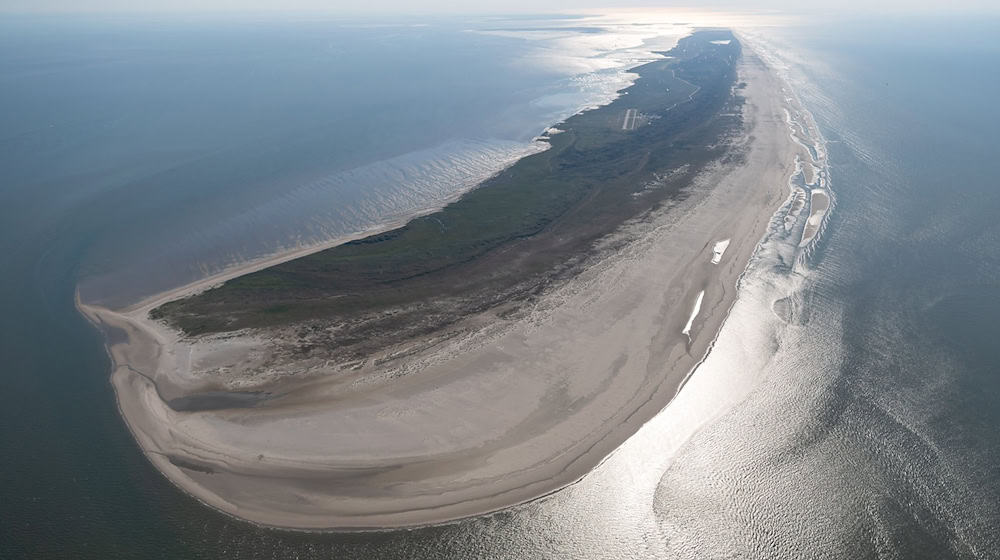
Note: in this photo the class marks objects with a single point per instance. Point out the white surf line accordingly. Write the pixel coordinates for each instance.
(694, 313)
(719, 250)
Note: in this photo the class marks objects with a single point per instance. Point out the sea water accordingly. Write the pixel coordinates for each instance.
(197, 144)
(849, 407)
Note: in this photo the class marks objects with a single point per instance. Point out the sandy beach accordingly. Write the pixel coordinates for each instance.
(503, 410)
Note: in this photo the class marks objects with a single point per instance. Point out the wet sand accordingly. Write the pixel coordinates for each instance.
(503, 411)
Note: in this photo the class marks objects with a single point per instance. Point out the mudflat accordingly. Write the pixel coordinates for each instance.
(499, 406)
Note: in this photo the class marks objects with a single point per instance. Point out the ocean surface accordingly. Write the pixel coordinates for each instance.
(198, 144)
(849, 408)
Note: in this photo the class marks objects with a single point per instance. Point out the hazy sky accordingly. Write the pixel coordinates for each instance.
(494, 6)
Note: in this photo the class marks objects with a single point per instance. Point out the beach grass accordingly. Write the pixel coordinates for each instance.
(515, 228)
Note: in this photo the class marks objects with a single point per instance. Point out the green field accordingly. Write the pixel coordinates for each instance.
(517, 231)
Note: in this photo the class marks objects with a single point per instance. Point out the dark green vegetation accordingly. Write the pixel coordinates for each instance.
(521, 230)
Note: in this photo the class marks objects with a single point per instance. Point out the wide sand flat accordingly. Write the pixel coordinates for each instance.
(500, 414)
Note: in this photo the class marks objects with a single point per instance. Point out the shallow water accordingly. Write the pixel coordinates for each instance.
(857, 417)
(205, 143)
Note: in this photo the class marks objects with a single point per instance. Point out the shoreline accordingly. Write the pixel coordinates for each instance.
(150, 302)
(540, 142)
(148, 346)
(516, 235)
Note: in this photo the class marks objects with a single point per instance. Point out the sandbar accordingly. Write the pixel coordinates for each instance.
(507, 410)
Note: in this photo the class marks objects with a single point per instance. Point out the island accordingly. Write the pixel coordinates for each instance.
(489, 353)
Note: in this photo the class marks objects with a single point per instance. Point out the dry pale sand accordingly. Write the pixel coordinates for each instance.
(819, 204)
(500, 415)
